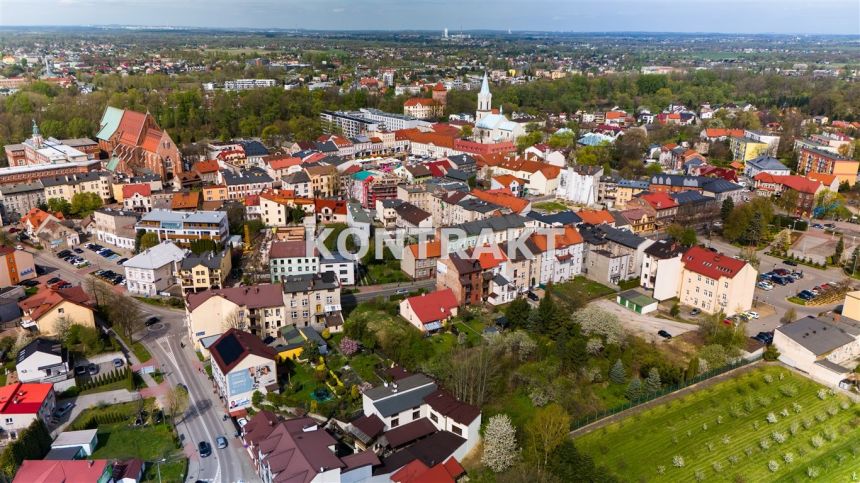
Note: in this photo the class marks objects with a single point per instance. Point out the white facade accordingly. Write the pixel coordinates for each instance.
(152, 271)
(254, 373)
(578, 188)
(663, 276)
(41, 366)
(342, 268)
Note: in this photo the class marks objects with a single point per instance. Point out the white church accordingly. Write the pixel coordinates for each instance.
(491, 127)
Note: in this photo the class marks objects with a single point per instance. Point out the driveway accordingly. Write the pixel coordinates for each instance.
(645, 326)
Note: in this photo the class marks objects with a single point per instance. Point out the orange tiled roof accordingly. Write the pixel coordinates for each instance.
(596, 217)
(185, 201)
(433, 249)
(46, 299)
(36, 217)
(129, 190)
(502, 198)
(207, 166)
(824, 178)
(419, 101)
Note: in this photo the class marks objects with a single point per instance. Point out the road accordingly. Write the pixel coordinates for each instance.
(369, 293)
(777, 297)
(204, 419)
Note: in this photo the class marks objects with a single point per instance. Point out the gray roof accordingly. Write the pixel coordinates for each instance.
(156, 257)
(480, 206)
(600, 234)
(358, 213)
(82, 437)
(40, 345)
(408, 393)
(494, 223)
(296, 178)
(210, 260)
(72, 178)
(251, 176)
(767, 163)
(819, 336)
(12, 189)
(309, 282)
(185, 216)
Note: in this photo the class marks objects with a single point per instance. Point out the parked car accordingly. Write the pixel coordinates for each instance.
(751, 314)
(121, 261)
(63, 253)
(151, 321)
(402, 291)
(221, 442)
(695, 312)
(77, 250)
(662, 333)
(765, 285)
(80, 370)
(118, 362)
(92, 369)
(790, 263)
(52, 281)
(204, 448)
(63, 409)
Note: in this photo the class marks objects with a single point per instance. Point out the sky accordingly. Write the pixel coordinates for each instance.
(726, 16)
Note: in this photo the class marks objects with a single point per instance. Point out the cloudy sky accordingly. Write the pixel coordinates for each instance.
(731, 16)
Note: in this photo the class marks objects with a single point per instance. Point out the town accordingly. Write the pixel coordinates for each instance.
(337, 259)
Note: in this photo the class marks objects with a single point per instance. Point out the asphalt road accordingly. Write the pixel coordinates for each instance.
(204, 419)
(352, 299)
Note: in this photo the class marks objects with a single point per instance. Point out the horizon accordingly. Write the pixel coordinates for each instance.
(728, 17)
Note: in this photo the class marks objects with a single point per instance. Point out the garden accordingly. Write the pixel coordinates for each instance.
(764, 425)
(135, 430)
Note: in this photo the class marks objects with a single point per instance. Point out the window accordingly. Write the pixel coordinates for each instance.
(395, 422)
(8, 420)
(416, 414)
(434, 418)
(456, 430)
(61, 310)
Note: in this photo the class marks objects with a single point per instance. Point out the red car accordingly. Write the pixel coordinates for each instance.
(59, 285)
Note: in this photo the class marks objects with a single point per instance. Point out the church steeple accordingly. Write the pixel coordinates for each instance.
(37, 136)
(485, 100)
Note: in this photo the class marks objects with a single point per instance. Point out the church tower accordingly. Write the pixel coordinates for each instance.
(37, 138)
(485, 100)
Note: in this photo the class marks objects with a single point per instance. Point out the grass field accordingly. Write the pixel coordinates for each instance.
(732, 432)
(550, 206)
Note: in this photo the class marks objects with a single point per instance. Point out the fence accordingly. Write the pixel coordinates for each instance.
(591, 418)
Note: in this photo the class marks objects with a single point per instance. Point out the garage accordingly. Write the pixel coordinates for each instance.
(636, 301)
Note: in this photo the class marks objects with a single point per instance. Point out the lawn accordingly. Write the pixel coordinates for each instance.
(550, 206)
(365, 366)
(581, 288)
(386, 272)
(731, 432)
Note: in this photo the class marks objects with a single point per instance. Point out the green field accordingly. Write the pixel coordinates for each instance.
(723, 433)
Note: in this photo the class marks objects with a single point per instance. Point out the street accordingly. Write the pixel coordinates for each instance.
(204, 418)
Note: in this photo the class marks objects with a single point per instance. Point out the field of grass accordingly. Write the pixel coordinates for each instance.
(550, 206)
(580, 288)
(732, 432)
(386, 272)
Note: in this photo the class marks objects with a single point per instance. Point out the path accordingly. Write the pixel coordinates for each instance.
(662, 400)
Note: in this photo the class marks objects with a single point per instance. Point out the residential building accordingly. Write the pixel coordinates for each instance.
(98, 470)
(15, 266)
(419, 195)
(208, 170)
(464, 277)
(821, 348)
(246, 182)
(151, 271)
(185, 200)
(343, 268)
(717, 188)
(805, 190)
(281, 450)
(208, 271)
(276, 207)
(298, 182)
(503, 198)
(312, 300)
(579, 184)
(420, 265)
(422, 108)
(560, 262)
(714, 283)
(241, 365)
(18, 199)
(330, 211)
(324, 181)
(23, 403)
(753, 144)
(814, 160)
(183, 228)
(661, 269)
(215, 192)
(42, 360)
(258, 308)
(115, 227)
(137, 197)
(695, 209)
(765, 164)
(67, 186)
(409, 216)
(36, 219)
(348, 124)
(359, 221)
(135, 143)
(641, 222)
(429, 312)
(612, 255)
(288, 258)
(47, 310)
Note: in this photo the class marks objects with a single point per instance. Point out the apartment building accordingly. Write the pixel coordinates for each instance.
(17, 199)
(246, 183)
(151, 271)
(288, 258)
(276, 207)
(662, 258)
(67, 186)
(312, 300)
(15, 266)
(204, 272)
(419, 265)
(115, 227)
(714, 282)
(183, 228)
(814, 160)
(242, 365)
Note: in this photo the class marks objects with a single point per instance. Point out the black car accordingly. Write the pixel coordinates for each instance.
(664, 334)
(29, 283)
(790, 263)
(54, 280)
(77, 250)
(151, 321)
(204, 448)
(121, 261)
(63, 253)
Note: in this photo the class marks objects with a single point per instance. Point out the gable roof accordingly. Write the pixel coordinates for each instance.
(129, 190)
(711, 264)
(254, 296)
(185, 201)
(433, 306)
(595, 217)
(767, 163)
(40, 345)
(234, 346)
(659, 201)
(46, 299)
(502, 197)
(65, 471)
(20, 398)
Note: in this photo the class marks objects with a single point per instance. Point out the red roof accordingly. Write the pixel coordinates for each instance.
(21, 398)
(337, 207)
(502, 197)
(718, 132)
(596, 217)
(46, 299)
(419, 101)
(711, 264)
(284, 162)
(66, 471)
(129, 190)
(131, 126)
(432, 249)
(487, 257)
(151, 140)
(207, 166)
(418, 472)
(433, 306)
(439, 87)
(795, 182)
(659, 201)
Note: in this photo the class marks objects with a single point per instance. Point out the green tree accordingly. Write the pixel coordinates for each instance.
(840, 247)
(726, 209)
(634, 389)
(682, 234)
(851, 266)
(652, 382)
(59, 204)
(466, 132)
(549, 315)
(517, 313)
(83, 204)
(567, 464)
(617, 374)
(148, 240)
(788, 201)
(199, 247)
(547, 430)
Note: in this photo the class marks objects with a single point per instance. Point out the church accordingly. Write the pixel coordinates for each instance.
(491, 126)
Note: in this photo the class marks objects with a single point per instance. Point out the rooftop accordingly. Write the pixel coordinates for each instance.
(234, 345)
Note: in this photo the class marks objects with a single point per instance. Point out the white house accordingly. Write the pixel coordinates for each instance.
(430, 311)
(152, 270)
(23, 403)
(42, 360)
(242, 364)
(819, 347)
(765, 164)
(661, 269)
(579, 184)
(342, 267)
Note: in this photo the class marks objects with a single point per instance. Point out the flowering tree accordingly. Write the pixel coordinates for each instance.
(348, 346)
(500, 444)
(594, 321)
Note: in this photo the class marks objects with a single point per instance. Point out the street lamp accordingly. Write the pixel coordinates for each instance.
(158, 467)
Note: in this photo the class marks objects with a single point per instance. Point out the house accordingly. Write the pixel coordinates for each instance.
(360, 222)
(68, 471)
(207, 170)
(419, 260)
(42, 360)
(417, 471)
(288, 258)
(189, 200)
(805, 190)
(559, 263)
(661, 269)
(714, 282)
(579, 184)
(137, 197)
(612, 255)
(422, 108)
(640, 221)
(277, 207)
(48, 309)
(511, 183)
(58, 234)
(246, 182)
(504, 198)
(87, 440)
(409, 216)
(330, 211)
(215, 192)
(298, 182)
(184, 228)
(695, 209)
(292, 341)
(300, 450)
(23, 403)
(324, 180)
(204, 272)
(210, 313)
(128, 471)
(430, 311)
(151, 271)
(752, 145)
(19, 198)
(115, 227)
(595, 217)
(765, 164)
(242, 364)
(822, 348)
(342, 267)
(312, 300)
(36, 219)
(660, 205)
(463, 276)
(15, 266)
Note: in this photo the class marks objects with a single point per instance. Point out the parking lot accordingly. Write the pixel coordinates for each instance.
(106, 261)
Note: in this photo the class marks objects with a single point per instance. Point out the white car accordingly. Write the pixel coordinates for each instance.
(765, 286)
(751, 314)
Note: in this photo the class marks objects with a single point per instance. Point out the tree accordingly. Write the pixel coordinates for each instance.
(348, 346)
(726, 209)
(59, 204)
(789, 316)
(83, 204)
(684, 235)
(840, 247)
(471, 373)
(126, 317)
(547, 430)
(517, 313)
(199, 247)
(595, 321)
(568, 464)
(148, 240)
(176, 402)
(851, 266)
(617, 374)
(788, 201)
(500, 444)
(652, 382)
(634, 389)
(466, 132)
(782, 242)
(550, 317)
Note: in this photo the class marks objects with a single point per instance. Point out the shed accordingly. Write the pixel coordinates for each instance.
(86, 439)
(636, 301)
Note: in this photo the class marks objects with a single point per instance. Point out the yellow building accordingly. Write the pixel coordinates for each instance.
(745, 149)
(48, 309)
(714, 282)
(204, 272)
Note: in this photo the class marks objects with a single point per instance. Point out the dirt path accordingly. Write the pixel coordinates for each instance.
(662, 400)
